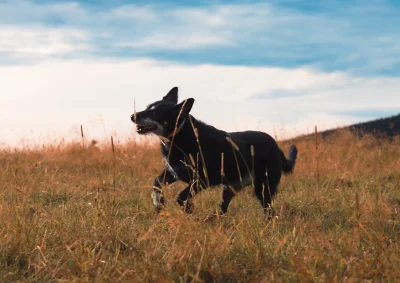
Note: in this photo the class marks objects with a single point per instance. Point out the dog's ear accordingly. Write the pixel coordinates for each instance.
(184, 107)
(172, 95)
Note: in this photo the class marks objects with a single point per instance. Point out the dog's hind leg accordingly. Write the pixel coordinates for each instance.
(227, 195)
(158, 198)
(266, 186)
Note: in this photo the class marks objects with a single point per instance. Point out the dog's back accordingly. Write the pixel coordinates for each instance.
(237, 152)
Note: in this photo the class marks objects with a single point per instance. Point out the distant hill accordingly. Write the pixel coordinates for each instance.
(389, 127)
(385, 126)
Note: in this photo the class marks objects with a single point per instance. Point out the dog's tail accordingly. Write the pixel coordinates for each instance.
(288, 163)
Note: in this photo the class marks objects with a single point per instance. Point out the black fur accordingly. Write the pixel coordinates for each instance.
(193, 151)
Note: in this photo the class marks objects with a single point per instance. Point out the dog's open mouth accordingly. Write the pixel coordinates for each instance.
(144, 129)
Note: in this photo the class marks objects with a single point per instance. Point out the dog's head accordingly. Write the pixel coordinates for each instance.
(161, 117)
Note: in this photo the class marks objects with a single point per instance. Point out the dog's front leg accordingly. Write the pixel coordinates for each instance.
(163, 179)
(184, 198)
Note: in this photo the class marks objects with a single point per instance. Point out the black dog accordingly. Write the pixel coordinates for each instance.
(203, 156)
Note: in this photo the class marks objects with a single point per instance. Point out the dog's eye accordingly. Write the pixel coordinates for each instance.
(150, 107)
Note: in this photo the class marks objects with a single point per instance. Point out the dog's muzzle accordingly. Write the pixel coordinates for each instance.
(144, 129)
(144, 126)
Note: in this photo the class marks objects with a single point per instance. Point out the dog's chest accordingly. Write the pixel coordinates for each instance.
(173, 161)
(170, 168)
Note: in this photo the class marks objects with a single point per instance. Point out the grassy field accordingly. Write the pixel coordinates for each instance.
(69, 212)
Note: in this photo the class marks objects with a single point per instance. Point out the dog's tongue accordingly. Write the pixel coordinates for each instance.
(137, 126)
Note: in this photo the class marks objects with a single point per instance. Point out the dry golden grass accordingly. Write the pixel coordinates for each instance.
(68, 213)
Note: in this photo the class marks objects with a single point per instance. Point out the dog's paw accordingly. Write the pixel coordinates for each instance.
(158, 201)
(189, 206)
(269, 213)
(159, 207)
(268, 218)
(210, 218)
(195, 218)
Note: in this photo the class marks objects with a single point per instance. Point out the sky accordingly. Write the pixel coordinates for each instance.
(282, 67)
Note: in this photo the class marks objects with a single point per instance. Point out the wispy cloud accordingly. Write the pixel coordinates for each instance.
(361, 38)
(171, 42)
(29, 43)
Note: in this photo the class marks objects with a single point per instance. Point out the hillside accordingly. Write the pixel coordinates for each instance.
(384, 128)
(389, 126)
(381, 127)
(69, 213)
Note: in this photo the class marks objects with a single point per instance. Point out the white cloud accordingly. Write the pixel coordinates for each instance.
(32, 42)
(58, 96)
(171, 42)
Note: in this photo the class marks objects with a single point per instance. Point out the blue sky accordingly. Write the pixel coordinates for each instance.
(361, 37)
(339, 61)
